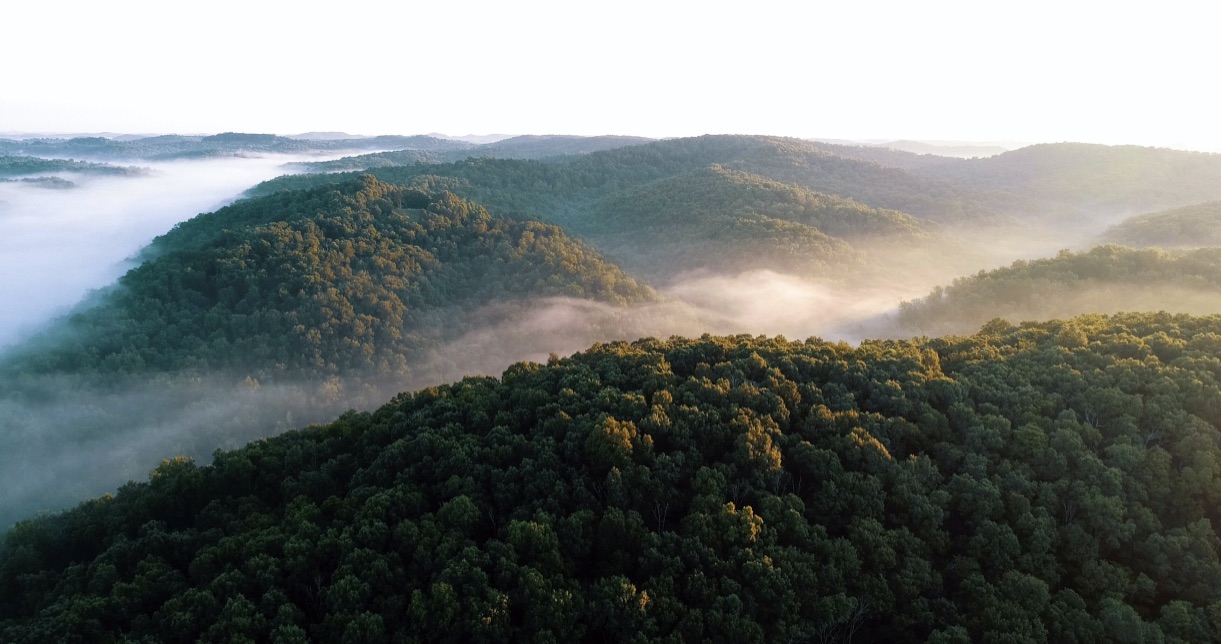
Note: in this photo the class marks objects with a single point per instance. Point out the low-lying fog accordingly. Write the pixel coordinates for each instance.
(65, 444)
(56, 245)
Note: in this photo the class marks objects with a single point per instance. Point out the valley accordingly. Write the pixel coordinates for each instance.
(636, 386)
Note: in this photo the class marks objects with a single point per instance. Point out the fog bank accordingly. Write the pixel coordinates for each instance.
(57, 245)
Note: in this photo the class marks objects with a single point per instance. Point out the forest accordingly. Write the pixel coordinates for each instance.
(1105, 279)
(1045, 482)
(1194, 226)
(731, 388)
(318, 282)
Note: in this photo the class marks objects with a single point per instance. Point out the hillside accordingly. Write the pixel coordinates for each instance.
(373, 160)
(1124, 179)
(563, 189)
(1193, 226)
(337, 279)
(277, 311)
(726, 220)
(553, 145)
(1105, 279)
(1053, 482)
(518, 147)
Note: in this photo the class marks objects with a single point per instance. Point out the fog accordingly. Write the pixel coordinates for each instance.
(67, 442)
(57, 245)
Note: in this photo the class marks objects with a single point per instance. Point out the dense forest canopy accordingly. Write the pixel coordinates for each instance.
(1194, 226)
(354, 277)
(1105, 279)
(282, 310)
(1049, 482)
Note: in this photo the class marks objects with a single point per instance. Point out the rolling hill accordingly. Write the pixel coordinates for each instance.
(726, 220)
(1194, 226)
(338, 279)
(1090, 178)
(1053, 482)
(270, 312)
(1105, 279)
(562, 189)
(518, 147)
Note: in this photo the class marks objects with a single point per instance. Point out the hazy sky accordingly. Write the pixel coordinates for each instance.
(1109, 72)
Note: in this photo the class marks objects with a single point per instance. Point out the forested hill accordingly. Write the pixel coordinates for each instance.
(1105, 279)
(533, 146)
(563, 189)
(730, 220)
(720, 190)
(346, 278)
(1050, 482)
(518, 147)
(1191, 226)
(1100, 178)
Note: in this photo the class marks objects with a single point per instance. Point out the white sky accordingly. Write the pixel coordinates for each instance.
(1108, 72)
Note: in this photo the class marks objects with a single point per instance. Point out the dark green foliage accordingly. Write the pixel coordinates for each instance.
(1192, 226)
(340, 279)
(1050, 482)
(1106, 279)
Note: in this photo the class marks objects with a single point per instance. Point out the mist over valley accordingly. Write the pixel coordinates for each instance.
(706, 326)
(724, 235)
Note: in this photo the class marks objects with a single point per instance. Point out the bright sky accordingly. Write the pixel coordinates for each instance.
(1107, 72)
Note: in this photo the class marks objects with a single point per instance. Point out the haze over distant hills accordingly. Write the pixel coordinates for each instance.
(1193, 226)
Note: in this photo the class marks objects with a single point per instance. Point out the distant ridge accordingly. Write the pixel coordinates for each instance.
(961, 151)
(325, 136)
(478, 139)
